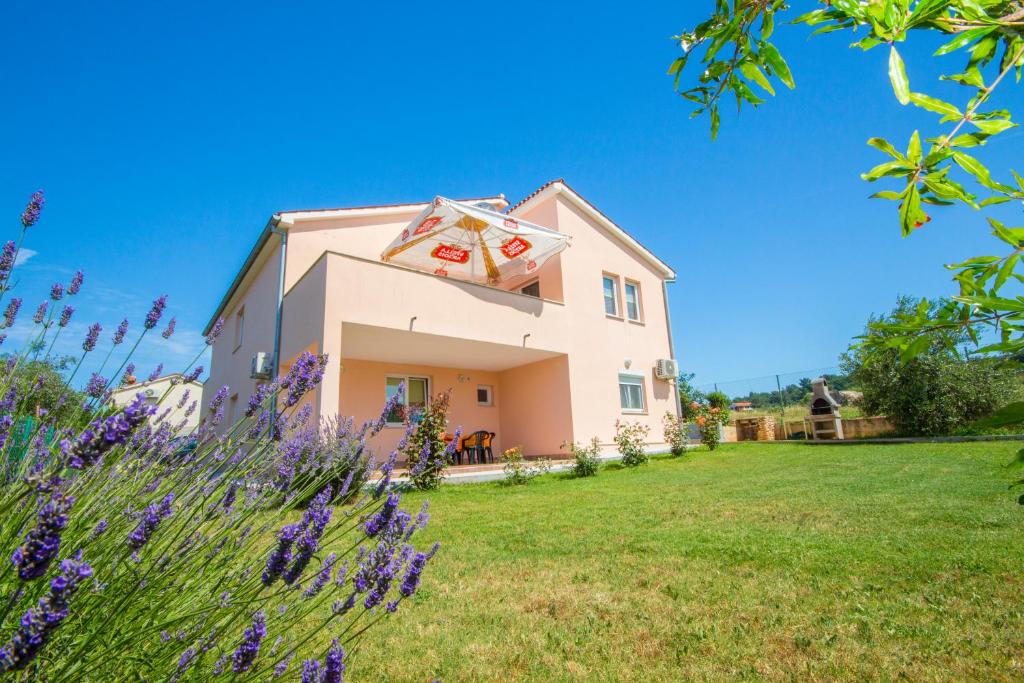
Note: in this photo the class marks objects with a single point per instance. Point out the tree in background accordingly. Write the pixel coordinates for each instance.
(933, 393)
(738, 59)
(43, 386)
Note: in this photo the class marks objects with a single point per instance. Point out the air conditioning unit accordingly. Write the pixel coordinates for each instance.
(262, 365)
(666, 368)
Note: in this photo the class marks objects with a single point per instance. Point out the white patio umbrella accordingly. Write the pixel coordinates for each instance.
(473, 243)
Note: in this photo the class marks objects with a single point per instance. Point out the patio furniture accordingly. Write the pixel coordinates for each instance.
(477, 447)
(448, 438)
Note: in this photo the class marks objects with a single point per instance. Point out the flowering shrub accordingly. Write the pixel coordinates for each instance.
(131, 558)
(675, 433)
(586, 457)
(709, 420)
(517, 471)
(426, 453)
(631, 438)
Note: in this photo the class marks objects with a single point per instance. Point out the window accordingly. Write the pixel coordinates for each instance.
(414, 399)
(611, 295)
(532, 289)
(485, 395)
(633, 300)
(239, 327)
(631, 393)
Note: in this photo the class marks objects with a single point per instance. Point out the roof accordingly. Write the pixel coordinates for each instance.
(559, 186)
(157, 380)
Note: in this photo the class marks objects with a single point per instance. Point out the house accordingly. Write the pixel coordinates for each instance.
(166, 393)
(556, 355)
(741, 406)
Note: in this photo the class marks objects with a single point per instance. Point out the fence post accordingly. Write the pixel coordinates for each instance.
(782, 402)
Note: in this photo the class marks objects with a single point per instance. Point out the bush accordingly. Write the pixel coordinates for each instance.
(331, 454)
(133, 558)
(709, 420)
(426, 453)
(631, 438)
(716, 399)
(936, 393)
(675, 433)
(586, 460)
(517, 471)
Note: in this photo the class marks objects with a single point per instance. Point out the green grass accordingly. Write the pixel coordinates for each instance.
(778, 562)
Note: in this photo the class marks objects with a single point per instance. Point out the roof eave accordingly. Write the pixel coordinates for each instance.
(254, 254)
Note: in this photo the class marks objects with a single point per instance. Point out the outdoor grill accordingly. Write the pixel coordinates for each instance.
(824, 422)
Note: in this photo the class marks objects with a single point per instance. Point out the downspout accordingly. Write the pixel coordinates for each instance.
(276, 358)
(671, 346)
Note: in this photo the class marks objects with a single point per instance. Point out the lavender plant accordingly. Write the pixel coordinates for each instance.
(124, 556)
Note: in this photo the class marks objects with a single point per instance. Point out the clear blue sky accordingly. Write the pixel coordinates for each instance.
(166, 135)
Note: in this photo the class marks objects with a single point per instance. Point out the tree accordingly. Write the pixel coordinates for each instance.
(42, 388)
(934, 393)
(738, 58)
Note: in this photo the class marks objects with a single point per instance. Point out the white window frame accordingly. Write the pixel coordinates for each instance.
(405, 394)
(639, 301)
(489, 388)
(633, 380)
(616, 297)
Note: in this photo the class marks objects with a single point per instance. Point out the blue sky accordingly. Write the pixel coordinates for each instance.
(166, 135)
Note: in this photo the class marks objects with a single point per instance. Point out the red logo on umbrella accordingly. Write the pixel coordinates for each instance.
(405, 234)
(511, 223)
(514, 247)
(427, 224)
(449, 252)
(530, 265)
(441, 271)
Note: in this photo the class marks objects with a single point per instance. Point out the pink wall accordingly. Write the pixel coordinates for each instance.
(536, 410)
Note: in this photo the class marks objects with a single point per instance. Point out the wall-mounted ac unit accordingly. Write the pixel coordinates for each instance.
(262, 365)
(666, 368)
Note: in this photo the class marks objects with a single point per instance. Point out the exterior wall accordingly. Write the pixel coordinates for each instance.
(600, 345)
(363, 395)
(232, 366)
(536, 408)
(155, 391)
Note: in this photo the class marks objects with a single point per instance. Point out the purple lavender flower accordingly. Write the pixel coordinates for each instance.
(57, 291)
(217, 404)
(166, 334)
(76, 283)
(156, 373)
(153, 317)
(281, 555)
(321, 579)
(39, 622)
(383, 518)
(334, 664)
(194, 375)
(129, 374)
(184, 662)
(32, 210)
(98, 530)
(40, 313)
(96, 386)
(11, 312)
(215, 331)
(311, 671)
(304, 374)
(102, 435)
(42, 543)
(122, 330)
(249, 648)
(65, 315)
(151, 518)
(314, 521)
(91, 336)
(7, 256)
(282, 667)
(257, 398)
(411, 580)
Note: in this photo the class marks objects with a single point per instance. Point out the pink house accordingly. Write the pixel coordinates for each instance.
(555, 355)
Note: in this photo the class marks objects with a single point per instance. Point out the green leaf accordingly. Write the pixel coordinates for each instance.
(972, 166)
(715, 122)
(884, 145)
(914, 148)
(778, 65)
(993, 127)
(1006, 271)
(911, 215)
(898, 76)
(964, 38)
(889, 168)
(753, 72)
(935, 105)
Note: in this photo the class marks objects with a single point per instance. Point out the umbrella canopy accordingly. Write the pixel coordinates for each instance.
(473, 243)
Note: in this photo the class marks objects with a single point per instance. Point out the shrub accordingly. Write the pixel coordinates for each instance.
(330, 454)
(517, 471)
(426, 453)
(709, 420)
(675, 433)
(716, 399)
(133, 558)
(935, 393)
(631, 438)
(586, 461)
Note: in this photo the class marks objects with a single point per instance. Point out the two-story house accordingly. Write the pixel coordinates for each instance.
(555, 356)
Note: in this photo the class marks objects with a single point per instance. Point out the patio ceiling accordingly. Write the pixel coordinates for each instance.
(367, 342)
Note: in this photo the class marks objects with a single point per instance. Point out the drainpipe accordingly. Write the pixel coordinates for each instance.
(276, 360)
(671, 345)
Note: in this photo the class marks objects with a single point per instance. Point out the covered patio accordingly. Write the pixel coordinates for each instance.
(518, 394)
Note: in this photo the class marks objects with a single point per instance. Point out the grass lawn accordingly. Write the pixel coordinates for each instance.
(755, 562)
